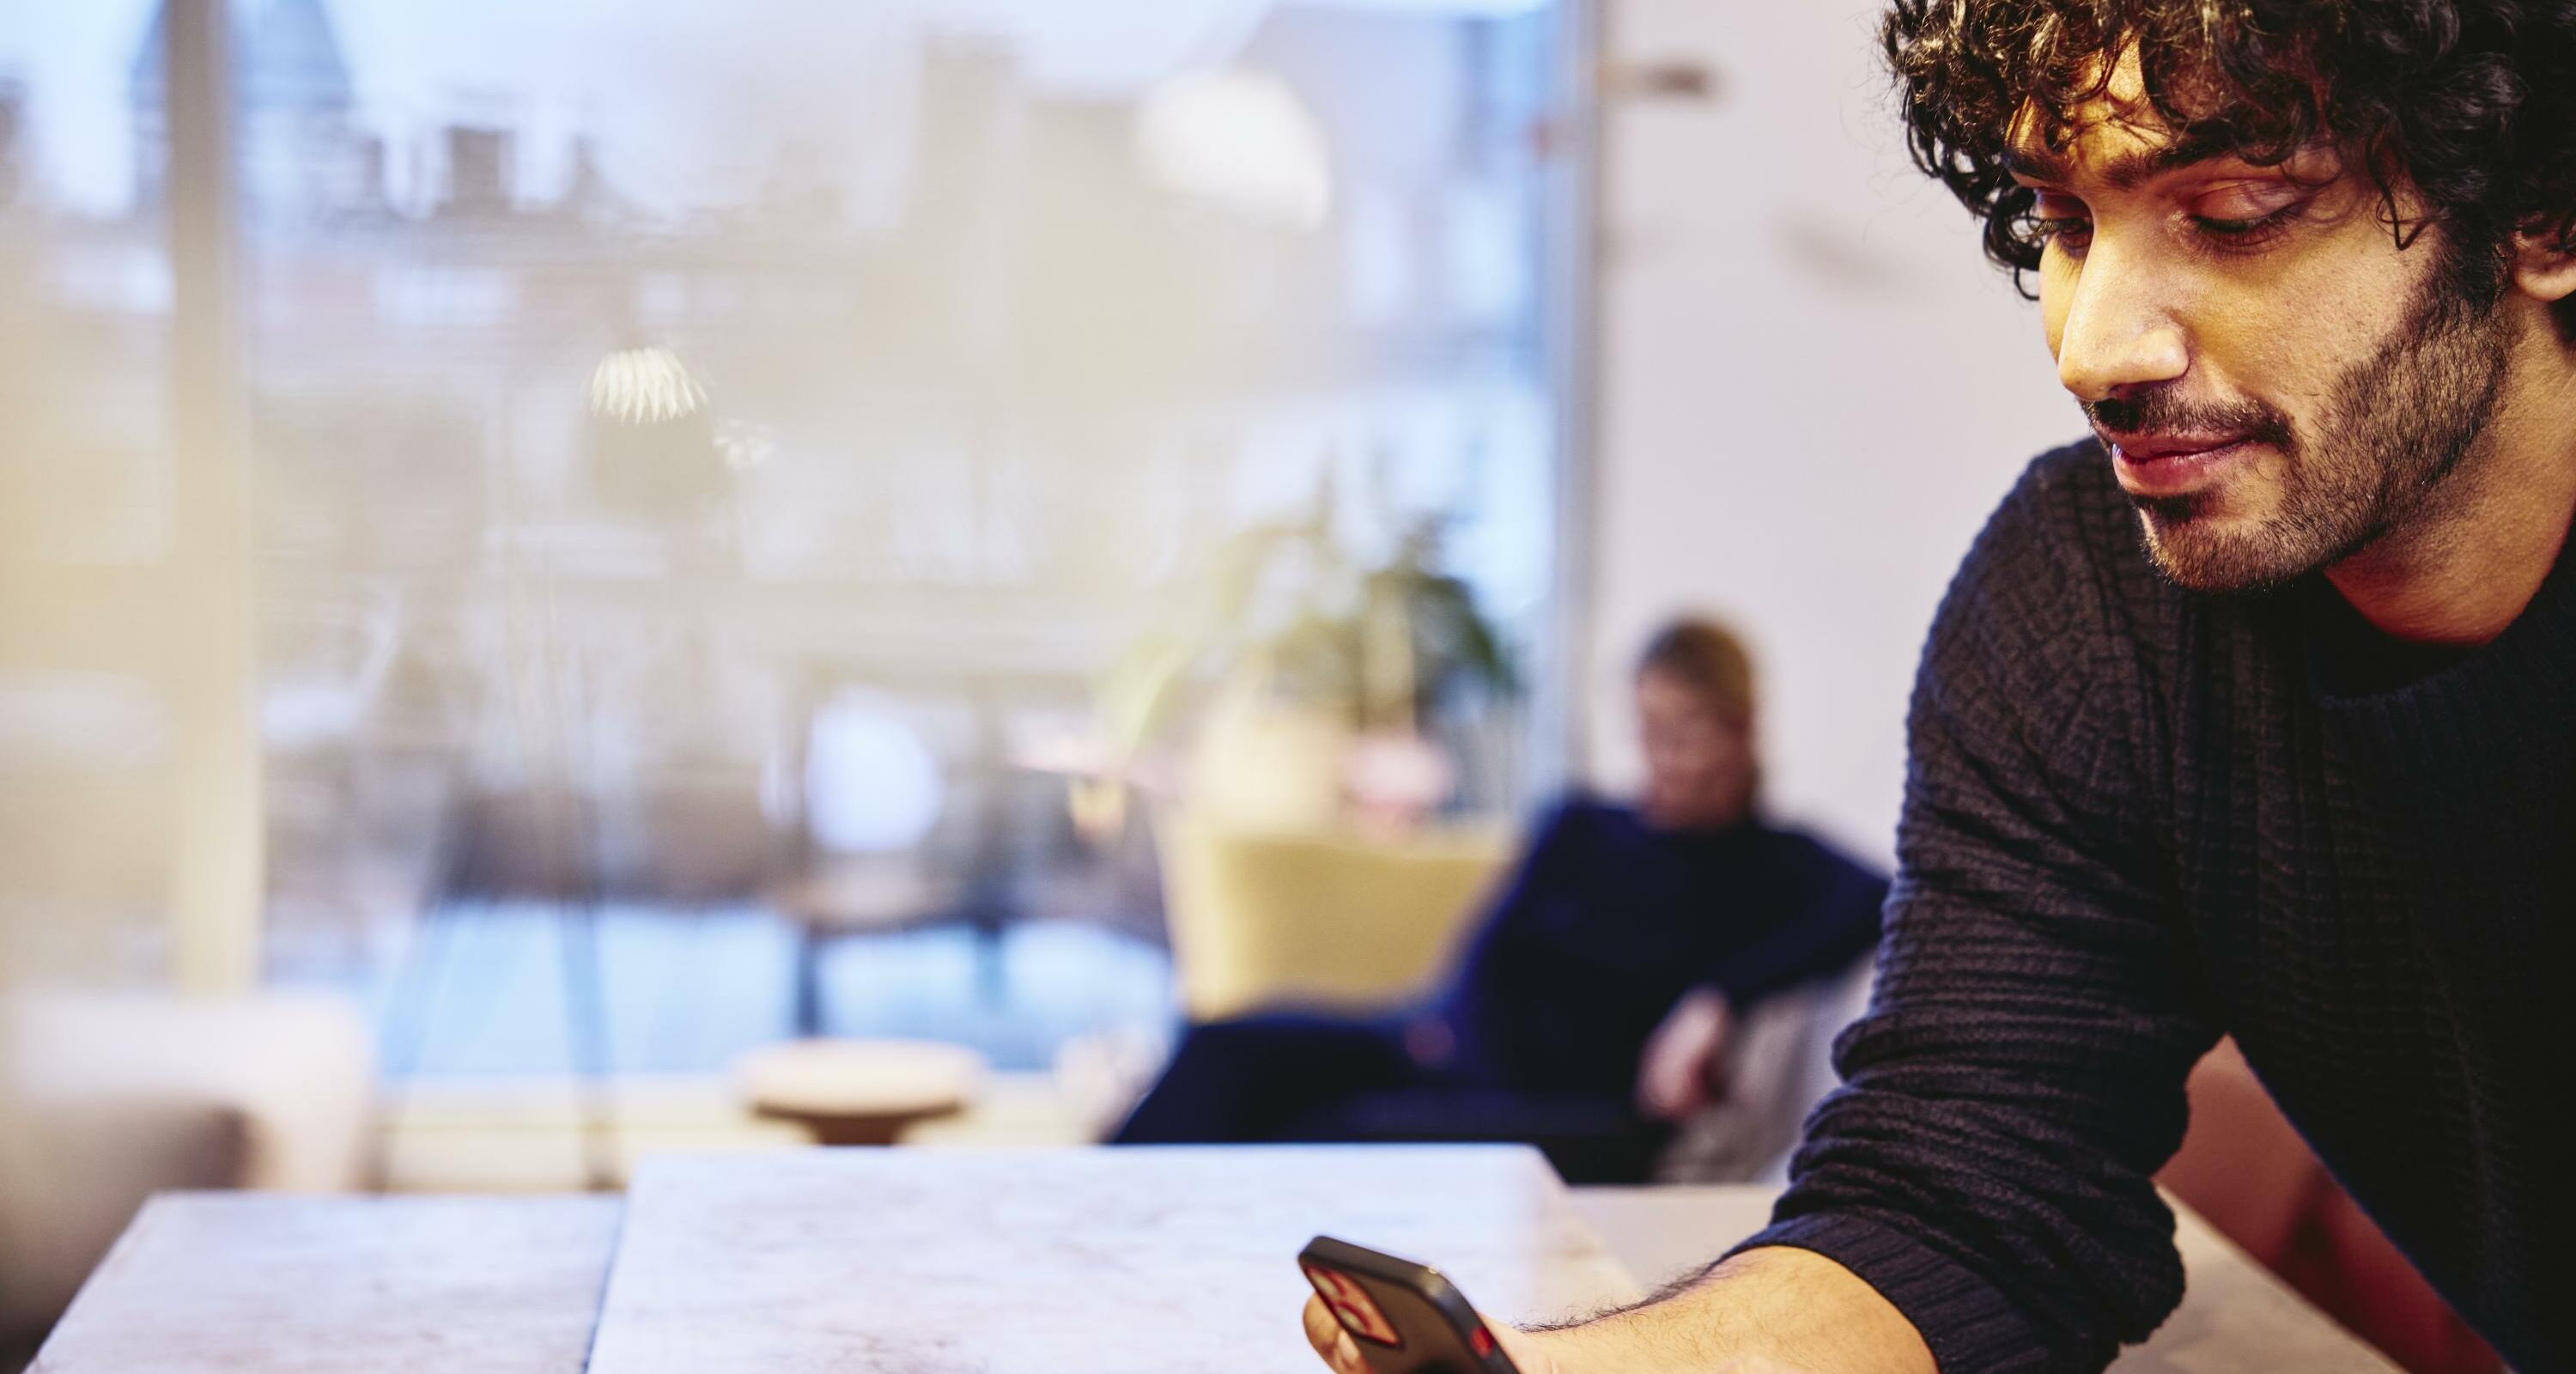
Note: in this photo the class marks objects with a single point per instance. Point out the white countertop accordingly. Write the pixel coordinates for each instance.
(932, 1261)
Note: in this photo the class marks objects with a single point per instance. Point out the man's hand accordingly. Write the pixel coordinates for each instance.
(1527, 1350)
(1775, 1311)
(1677, 1075)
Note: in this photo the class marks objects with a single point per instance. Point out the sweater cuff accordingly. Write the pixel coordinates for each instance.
(1969, 1324)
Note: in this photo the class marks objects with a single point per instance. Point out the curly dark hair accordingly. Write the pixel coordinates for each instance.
(2471, 105)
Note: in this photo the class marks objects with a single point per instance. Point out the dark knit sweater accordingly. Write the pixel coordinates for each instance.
(2137, 819)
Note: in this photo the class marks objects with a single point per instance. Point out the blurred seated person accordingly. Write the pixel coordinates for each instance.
(1594, 1002)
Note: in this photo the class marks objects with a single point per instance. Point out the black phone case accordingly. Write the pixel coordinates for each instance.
(1435, 1331)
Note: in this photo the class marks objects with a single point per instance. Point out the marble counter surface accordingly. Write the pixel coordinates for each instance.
(1132, 1261)
(240, 1283)
(933, 1262)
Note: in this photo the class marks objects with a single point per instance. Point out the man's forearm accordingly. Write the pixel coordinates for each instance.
(1793, 1308)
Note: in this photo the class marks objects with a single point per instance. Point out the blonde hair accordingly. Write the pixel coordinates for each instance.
(1707, 656)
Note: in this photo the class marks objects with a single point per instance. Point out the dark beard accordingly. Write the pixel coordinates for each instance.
(2400, 423)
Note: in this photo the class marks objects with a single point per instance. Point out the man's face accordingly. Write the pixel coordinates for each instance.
(2278, 382)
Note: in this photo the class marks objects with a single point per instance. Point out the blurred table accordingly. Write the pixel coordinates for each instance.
(900, 1261)
(858, 1092)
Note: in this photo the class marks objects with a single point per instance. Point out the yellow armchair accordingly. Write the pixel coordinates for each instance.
(1333, 919)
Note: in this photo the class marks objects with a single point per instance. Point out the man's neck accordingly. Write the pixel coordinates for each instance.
(2465, 568)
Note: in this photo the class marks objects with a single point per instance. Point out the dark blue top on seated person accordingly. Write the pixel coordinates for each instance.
(1609, 922)
(1606, 924)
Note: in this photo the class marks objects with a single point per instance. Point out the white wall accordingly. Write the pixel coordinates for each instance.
(1813, 390)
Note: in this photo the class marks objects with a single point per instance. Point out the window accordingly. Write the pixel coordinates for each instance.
(705, 458)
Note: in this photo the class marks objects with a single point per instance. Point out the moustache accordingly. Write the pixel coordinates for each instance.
(2163, 410)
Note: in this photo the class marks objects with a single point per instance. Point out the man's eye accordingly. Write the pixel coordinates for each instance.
(2060, 220)
(2245, 235)
(2071, 232)
(2243, 217)
(2242, 204)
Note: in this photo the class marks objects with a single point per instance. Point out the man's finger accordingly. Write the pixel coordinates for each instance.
(1331, 1341)
(1523, 1350)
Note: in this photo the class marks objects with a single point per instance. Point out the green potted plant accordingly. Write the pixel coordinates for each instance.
(1303, 684)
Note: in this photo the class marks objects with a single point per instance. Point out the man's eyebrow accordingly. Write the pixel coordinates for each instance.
(2123, 171)
(2033, 163)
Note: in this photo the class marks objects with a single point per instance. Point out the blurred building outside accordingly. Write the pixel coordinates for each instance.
(524, 662)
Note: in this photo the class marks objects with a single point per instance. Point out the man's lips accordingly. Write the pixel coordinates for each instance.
(2170, 464)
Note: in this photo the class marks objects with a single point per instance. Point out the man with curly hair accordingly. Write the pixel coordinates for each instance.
(2301, 770)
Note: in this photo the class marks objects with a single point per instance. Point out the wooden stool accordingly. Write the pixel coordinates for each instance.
(858, 1092)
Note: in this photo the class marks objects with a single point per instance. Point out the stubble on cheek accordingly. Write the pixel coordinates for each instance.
(2396, 425)
(2232, 536)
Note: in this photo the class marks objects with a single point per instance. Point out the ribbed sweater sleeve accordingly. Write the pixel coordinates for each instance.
(2018, 1077)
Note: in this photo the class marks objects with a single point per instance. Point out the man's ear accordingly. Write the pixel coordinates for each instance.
(2544, 266)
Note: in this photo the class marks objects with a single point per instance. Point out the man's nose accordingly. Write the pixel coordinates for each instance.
(2119, 332)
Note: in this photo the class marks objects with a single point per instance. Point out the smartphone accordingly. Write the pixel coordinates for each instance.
(1406, 1318)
